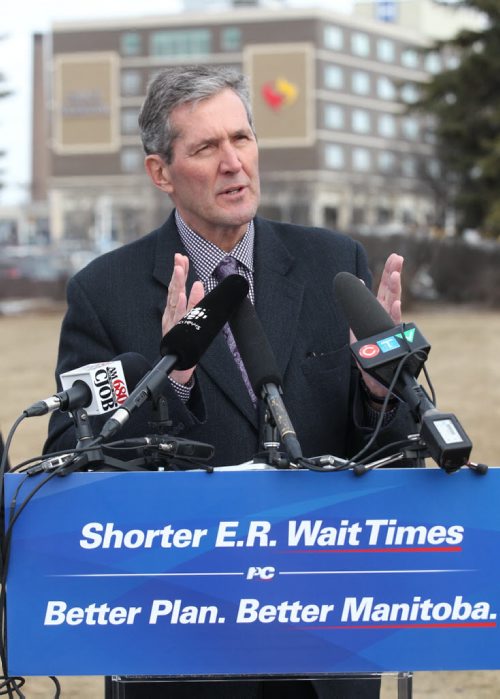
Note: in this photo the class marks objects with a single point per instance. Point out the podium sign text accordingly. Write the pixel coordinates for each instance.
(251, 573)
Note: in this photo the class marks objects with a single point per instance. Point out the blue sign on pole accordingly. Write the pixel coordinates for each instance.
(386, 10)
(250, 573)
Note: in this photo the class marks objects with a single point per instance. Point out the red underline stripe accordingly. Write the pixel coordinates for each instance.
(412, 549)
(443, 625)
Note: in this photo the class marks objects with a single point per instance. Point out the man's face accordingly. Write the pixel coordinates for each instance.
(213, 178)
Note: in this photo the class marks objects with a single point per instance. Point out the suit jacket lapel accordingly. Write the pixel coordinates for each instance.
(168, 242)
(278, 296)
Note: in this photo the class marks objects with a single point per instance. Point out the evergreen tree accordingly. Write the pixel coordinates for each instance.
(464, 102)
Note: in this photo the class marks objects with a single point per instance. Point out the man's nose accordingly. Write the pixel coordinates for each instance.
(230, 159)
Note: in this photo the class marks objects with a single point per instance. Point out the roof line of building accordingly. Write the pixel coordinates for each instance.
(240, 15)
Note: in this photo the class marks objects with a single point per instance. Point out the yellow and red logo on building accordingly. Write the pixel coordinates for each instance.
(279, 93)
(282, 86)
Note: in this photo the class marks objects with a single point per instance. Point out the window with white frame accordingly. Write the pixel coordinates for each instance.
(333, 37)
(386, 50)
(386, 161)
(129, 121)
(361, 159)
(231, 39)
(433, 63)
(386, 125)
(409, 93)
(409, 58)
(131, 82)
(131, 44)
(334, 156)
(385, 88)
(409, 166)
(181, 42)
(360, 44)
(334, 77)
(434, 167)
(360, 121)
(360, 82)
(131, 159)
(334, 116)
(410, 128)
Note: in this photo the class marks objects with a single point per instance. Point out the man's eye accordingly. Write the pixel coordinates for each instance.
(202, 149)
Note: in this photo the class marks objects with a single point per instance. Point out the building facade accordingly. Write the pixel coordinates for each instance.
(337, 147)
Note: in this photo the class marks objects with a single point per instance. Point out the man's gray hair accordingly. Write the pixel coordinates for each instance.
(181, 85)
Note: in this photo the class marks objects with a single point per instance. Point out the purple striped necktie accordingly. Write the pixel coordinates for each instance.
(229, 265)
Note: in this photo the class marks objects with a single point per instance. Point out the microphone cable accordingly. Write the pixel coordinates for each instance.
(13, 684)
(351, 463)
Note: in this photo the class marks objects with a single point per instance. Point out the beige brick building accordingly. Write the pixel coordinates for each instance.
(337, 147)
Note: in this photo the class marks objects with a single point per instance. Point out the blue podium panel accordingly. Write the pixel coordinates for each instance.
(241, 573)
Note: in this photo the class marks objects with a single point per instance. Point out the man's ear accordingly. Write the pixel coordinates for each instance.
(158, 171)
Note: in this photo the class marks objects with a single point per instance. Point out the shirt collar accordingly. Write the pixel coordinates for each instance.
(205, 256)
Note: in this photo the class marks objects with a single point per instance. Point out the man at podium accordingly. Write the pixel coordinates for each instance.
(201, 150)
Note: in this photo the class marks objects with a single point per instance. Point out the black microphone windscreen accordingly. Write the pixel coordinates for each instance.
(192, 335)
(365, 315)
(135, 367)
(254, 347)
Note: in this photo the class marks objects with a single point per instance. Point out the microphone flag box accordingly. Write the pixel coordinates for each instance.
(106, 381)
(384, 351)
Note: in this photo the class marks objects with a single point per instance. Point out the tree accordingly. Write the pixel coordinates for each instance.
(464, 102)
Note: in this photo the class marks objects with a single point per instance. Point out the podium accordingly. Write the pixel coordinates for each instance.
(249, 575)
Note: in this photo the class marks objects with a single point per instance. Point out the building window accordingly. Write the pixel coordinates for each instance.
(410, 127)
(131, 160)
(129, 121)
(183, 42)
(385, 161)
(384, 215)
(385, 50)
(409, 93)
(360, 82)
(434, 168)
(334, 116)
(334, 156)
(334, 38)
(409, 58)
(361, 122)
(433, 63)
(452, 61)
(386, 125)
(330, 217)
(131, 82)
(361, 159)
(385, 88)
(409, 167)
(131, 44)
(231, 39)
(360, 44)
(358, 216)
(334, 77)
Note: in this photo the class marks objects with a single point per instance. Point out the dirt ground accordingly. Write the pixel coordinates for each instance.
(463, 365)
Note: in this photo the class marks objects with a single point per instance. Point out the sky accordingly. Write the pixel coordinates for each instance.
(19, 20)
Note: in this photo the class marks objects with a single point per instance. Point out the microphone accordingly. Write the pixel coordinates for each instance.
(379, 350)
(264, 375)
(100, 387)
(183, 346)
(380, 343)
